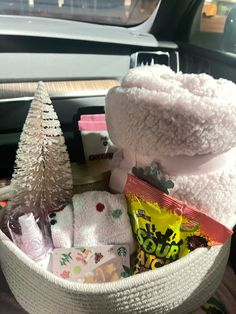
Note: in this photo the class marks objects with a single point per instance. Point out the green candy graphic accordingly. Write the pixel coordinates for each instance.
(77, 269)
(190, 226)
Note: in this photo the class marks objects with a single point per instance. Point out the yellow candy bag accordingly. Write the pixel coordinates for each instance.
(166, 229)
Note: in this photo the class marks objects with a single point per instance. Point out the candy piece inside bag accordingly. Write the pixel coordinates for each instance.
(166, 229)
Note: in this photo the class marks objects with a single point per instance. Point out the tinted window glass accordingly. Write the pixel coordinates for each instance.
(117, 12)
(217, 26)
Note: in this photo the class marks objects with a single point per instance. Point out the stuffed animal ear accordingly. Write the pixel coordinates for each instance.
(152, 175)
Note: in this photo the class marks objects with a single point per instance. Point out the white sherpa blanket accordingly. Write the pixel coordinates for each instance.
(184, 122)
(156, 110)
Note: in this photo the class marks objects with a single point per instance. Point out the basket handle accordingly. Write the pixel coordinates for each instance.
(3, 237)
(5, 193)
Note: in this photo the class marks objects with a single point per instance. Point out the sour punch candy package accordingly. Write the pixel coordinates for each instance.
(166, 229)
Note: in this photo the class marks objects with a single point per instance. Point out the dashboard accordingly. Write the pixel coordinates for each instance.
(79, 63)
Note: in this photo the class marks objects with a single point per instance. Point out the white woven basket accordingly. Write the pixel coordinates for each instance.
(179, 288)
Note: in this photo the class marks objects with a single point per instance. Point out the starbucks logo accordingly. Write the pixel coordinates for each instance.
(121, 251)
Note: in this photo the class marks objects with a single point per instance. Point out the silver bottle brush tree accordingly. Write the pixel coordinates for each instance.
(42, 179)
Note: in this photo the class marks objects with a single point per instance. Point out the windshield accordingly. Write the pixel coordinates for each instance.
(116, 12)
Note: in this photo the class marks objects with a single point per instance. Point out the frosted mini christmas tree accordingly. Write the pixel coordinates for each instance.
(42, 179)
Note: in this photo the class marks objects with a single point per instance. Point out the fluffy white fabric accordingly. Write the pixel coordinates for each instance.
(213, 194)
(186, 123)
(62, 230)
(101, 218)
(156, 110)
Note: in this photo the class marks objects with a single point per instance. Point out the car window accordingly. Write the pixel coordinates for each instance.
(217, 27)
(116, 12)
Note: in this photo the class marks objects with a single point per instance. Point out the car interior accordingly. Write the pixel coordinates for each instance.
(82, 49)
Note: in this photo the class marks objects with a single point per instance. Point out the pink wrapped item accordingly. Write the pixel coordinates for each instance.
(186, 123)
(96, 142)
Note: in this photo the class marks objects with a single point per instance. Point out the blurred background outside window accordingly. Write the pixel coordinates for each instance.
(218, 22)
(115, 12)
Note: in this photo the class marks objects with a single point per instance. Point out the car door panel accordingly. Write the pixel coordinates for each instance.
(194, 59)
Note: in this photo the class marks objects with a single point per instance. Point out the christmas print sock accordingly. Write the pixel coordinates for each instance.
(101, 218)
(62, 227)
